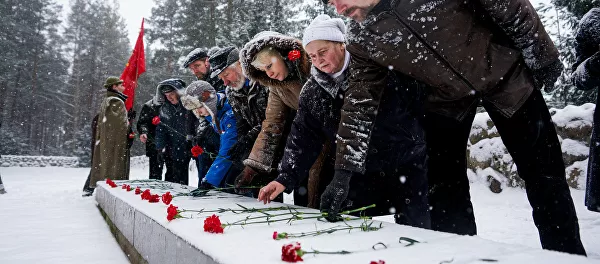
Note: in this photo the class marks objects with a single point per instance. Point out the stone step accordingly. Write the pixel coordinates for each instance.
(146, 236)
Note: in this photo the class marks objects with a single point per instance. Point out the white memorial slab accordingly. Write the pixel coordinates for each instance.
(145, 227)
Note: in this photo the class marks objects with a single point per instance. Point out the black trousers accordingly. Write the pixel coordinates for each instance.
(398, 190)
(177, 170)
(530, 137)
(156, 165)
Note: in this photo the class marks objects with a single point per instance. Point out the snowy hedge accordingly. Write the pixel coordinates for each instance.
(489, 160)
(57, 161)
(38, 161)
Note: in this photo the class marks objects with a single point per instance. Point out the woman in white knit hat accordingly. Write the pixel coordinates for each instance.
(388, 182)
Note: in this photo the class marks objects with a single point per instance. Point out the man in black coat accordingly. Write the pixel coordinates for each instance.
(173, 142)
(146, 126)
(586, 76)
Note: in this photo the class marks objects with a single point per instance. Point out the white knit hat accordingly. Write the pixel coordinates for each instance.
(323, 27)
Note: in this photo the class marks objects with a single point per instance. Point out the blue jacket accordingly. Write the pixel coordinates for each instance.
(222, 166)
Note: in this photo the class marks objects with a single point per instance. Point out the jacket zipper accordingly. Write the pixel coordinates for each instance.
(433, 51)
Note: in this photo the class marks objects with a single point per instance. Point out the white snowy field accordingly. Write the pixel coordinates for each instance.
(44, 219)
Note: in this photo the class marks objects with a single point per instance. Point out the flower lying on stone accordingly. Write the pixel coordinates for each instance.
(292, 252)
(138, 190)
(146, 194)
(154, 198)
(111, 183)
(212, 224)
(173, 213)
(167, 198)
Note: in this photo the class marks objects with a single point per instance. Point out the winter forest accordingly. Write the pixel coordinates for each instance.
(52, 70)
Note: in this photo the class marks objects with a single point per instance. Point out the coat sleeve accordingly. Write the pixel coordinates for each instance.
(304, 144)
(144, 120)
(161, 134)
(263, 152)
(218, 170)
(366, 84)
(587, 74)
(521, 23)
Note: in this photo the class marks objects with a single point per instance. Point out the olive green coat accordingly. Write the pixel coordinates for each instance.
(110, 159)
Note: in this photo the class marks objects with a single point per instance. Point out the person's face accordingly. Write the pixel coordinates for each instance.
(201, 111)
(233, 76)
(275, 68)
(200, 67)
(172, 97)
(119, 88)
(327, 56)
(355, 9)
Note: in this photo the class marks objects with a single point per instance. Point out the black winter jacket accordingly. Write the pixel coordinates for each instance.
(172, 134)
(586, 76)
(149, 110)
(397, 141)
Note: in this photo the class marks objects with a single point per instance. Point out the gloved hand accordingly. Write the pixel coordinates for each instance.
(202, 189)
(202, 128)
(546, 77)
(239, 149)
(335, 194)
(244, 179)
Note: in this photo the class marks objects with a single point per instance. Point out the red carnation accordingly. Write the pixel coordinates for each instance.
(212, 224)
(294, 55)
(167, 198)
(138, 190)
(156, 120)
(131, 135)
(146, 195)
(377, 262)
(154, 198)
(279, 236)
(197, 151)
(173, 213)
(291, 252)
(111, 183)
(124, 186)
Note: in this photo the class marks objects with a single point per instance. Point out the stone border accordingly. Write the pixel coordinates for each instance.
(143, 239)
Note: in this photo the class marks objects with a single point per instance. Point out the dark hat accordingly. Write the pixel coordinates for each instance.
(112, 80)
(222, 59)
(194, 55)
(170, 85)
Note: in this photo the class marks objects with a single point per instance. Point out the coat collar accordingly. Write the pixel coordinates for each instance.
(113, 93)
(329, 84)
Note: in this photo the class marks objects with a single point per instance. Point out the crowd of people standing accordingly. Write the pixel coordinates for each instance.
(374, 112)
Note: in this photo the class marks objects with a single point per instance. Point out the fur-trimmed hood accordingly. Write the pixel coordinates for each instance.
(283, 44)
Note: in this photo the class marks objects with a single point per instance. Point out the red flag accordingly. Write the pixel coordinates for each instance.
(134, 68)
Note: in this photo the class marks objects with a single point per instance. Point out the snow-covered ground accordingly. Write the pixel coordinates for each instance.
(44, 219)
